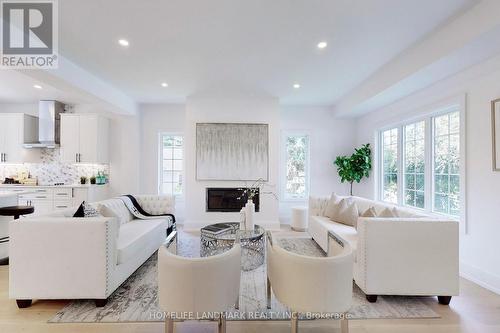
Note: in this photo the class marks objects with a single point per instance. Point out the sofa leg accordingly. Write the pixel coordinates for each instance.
(221, 327)
(23, 303)
(101, 302)
(371, 298)
(445, 300)
(344, 326)
(169, 325)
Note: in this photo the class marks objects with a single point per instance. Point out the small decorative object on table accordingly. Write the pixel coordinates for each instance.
(248, 212)
(92, 180)
(83, 180)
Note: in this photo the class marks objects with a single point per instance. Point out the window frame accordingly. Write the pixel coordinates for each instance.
(428, 117)
(160, 163)
(283, 194)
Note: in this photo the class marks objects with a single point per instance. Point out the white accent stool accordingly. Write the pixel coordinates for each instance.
(299, 218)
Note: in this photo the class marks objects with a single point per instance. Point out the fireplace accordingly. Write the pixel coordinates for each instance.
(225, 199)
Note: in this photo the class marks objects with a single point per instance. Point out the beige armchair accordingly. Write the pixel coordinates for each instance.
(198, 286)
(312, 284)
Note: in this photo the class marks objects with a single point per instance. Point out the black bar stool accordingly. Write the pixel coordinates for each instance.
(15, 211)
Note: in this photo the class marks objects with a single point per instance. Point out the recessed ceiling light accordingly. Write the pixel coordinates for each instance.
(296, 86)
(164, 84)
(37, 86)
(123, 42)
(322, 45)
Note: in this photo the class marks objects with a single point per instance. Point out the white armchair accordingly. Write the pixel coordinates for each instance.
(198, 285)
(311, 284)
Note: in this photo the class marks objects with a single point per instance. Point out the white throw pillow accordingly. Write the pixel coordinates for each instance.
(347, 213)
(332, 207)
(388, 213)
(370, 212)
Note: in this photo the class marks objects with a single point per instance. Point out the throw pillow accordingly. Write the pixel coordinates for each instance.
(108, 212)
(80, 212)
(347, 213)
(332, 206)
(370, 212)
(388, 213)
(86, 210)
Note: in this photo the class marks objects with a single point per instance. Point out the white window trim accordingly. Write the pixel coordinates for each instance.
(446, 106)
(159, 163)
(284, 135)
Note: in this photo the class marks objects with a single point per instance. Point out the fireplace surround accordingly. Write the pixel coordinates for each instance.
(225, 199)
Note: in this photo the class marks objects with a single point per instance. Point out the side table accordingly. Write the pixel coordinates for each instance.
(299, 219)
(16, 212)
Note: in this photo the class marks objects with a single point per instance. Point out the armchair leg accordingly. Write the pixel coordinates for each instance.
(444, 300)
(169, 325)
(344, 326)
(295, 322)
(222, 323)
(237, 305)
(371, 298)
(268, 293)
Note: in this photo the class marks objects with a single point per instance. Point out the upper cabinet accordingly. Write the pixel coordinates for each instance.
(84, 138)
(15, 130)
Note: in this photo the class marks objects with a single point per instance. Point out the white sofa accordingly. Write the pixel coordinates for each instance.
(57, 256)
(413, 254)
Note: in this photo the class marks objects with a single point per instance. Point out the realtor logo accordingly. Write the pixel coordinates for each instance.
(29, 34)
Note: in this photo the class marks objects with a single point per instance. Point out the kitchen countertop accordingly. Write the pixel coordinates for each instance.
(51, 186)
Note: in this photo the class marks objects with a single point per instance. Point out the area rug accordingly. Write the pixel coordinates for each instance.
(136, 299)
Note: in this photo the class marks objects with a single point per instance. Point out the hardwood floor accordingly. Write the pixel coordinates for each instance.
(476, 310)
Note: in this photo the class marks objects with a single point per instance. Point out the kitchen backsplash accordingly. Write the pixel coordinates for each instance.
(51, 170)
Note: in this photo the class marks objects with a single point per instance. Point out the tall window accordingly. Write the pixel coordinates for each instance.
(433, 187)
(296, 148)
(446, 171)
(414, 164)
(390, 165)
(171, 164)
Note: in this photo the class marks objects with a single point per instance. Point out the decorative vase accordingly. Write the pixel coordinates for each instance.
(242, 219)
(249, 215)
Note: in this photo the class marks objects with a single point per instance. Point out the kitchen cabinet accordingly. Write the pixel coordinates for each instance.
(15, 130)
(84, 138)
(47, 199)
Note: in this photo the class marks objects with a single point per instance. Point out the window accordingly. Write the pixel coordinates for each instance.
(446, 170)
(414, 164)
(171, 164)
(425, 155)
(390, 165)
(296, 151)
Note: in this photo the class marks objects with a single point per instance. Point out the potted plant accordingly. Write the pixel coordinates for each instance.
(355, 167)
(83, 180)
(92, 180)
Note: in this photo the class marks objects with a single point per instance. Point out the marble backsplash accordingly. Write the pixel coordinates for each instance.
(51, 170)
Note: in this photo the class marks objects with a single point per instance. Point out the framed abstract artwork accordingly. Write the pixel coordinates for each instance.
(232, 151)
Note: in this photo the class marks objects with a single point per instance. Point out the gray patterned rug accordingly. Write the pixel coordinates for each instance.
(136, 299)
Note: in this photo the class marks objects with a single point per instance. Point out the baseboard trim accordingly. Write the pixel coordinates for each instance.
(480, 277)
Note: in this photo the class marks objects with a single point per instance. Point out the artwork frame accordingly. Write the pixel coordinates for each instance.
(232, 151)
(495, 134)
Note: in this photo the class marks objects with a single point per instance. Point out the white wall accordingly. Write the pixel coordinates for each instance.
(479, 247)
(155, 119)
(329, 137)
(228, 109)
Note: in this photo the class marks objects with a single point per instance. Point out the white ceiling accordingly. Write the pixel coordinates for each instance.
(259, 45)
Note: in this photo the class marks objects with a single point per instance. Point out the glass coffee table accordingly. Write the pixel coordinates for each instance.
(252, 243)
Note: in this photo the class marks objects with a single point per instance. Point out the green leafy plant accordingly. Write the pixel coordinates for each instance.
(353, 168)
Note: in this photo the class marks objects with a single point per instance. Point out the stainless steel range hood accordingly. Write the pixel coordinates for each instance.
(49, 125)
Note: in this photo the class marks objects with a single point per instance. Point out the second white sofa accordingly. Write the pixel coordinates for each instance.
(413, 254)
(58, 256)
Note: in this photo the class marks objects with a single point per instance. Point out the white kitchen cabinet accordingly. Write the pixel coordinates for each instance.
(46, 199)
(15, 130)
(84, 138)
